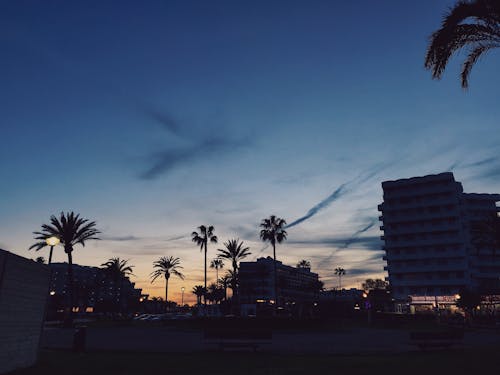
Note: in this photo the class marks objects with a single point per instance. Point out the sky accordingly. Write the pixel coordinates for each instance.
(153, 118)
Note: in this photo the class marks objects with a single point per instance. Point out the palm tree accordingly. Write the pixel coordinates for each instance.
(201, 239)
(234, 251)
(224, 282)
(199, 291)
(478, 36)
(166, 266)
(118, 270)
(339, 271)
(304, 264)
(71, 230)
(273, 230)
(218, 264)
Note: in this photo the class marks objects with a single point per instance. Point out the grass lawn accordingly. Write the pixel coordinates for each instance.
(459, 361)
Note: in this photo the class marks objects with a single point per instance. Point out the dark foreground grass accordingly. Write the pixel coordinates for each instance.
(456, 362)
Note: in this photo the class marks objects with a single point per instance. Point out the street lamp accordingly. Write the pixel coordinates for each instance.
(52, 241)
(182, 298)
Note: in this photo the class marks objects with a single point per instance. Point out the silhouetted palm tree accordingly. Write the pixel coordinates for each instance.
(224, 282)
(218, 264)
(45, 240)
(231, 280)
(273, 230)
(339, 271)
(201, 239)
(478, 36)
(166, 266)
(304, 264)
(71, 230)
(234, 251)
(215, 293)
(199, 291)
(117, 270)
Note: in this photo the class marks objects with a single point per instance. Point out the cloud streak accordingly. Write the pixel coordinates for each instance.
(342, 190)
(356, 234)
(200, 146)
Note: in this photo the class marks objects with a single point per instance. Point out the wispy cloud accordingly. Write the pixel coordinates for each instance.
(367, 242)
(164, 161)
(360, 231)
(121, 238)
(342, 190)
(200, 146)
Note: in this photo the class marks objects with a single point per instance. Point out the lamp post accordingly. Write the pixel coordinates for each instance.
(182, 296)
(52, 241)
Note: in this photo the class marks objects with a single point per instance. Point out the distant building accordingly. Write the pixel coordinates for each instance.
(94, 289)
(430, 254)
(296, 286)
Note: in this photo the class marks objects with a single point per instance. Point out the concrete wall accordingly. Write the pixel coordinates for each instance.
(24, 287)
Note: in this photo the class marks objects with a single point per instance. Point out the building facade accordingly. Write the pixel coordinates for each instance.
(296, 286)
(431, 251)
(94, 290)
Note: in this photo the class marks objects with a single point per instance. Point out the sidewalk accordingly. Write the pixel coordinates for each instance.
(168, 339)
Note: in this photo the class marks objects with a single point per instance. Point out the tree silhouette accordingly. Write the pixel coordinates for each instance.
(273, 231)
(304, 264)
(217, 264)
(71, 230)
(199, 291)
(166, 266)
(471, 25)
(371, 284)
(117, 270)
(234, 251)
(201, 239)
(339, 271)
(224, 282)
(40, 260)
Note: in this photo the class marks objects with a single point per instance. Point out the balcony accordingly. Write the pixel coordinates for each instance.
(456, 266)
(426, 255)
(432, 282)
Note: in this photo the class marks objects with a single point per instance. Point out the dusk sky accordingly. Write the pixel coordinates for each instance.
(155, 117)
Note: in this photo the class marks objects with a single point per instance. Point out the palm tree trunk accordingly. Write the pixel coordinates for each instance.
(69, 318)
(275, 277)
(235, 290)
(166, 290)
(50, 254)
(205, 294)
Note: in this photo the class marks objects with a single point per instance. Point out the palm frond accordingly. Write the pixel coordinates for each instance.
(455, 34)
(471, 60)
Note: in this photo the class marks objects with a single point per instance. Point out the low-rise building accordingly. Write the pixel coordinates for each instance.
(296, 286)
(94, 290)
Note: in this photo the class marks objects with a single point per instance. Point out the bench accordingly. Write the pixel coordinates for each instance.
(436, 339)
(238, 338)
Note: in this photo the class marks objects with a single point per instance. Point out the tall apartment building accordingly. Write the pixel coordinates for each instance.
(429, 247)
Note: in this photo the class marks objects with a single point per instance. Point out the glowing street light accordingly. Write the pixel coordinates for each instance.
(52, 241)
